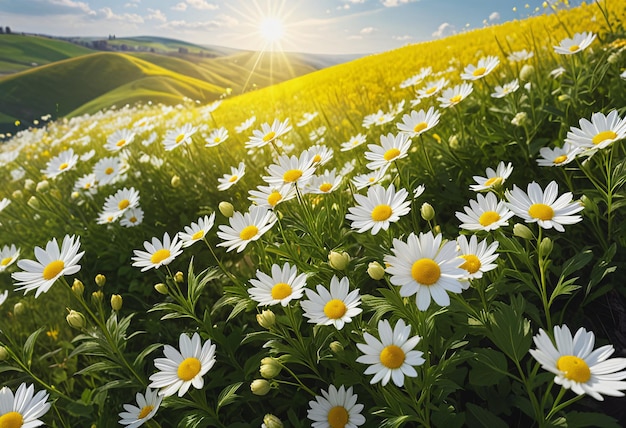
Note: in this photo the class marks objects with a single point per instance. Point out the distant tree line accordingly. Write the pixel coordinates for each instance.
(5, 30)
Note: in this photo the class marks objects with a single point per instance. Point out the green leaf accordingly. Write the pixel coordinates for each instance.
(484, 418)
(587, 419)
(29, 346)
(228, 395)
(510, 331)
(488, 367)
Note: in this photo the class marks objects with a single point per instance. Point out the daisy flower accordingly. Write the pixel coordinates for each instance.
(336, 408)
(558, 156)
(87, 183)
(245, 228)
(270, 196)
(391, 148)
(119, 139)
(579, 42)
(107, 170)
(245, 125)
(8, 255)
(337, 306)
(321, 155)
(485, 213)
(123, 200)
(378, 118)
(419, 122)
(432, 88)
(506, 89)
(494, 178)
(373, 177)
(268, 133)
(179, 370)
(24, 408)
(283, 286)
(4, 202)
(426, 268)
(522, 55)
(478, 256)
(416, 78)
(353, 142)
(393, 356)
(306, 118)
(229, 180)
(61, 163)
(601, 132)
(483, 68)
(196, 231)
(577, 366)
(157, 253)
(290, 170)
(51, 264)
(328, 182)
(317, 135)
(132, 217)
(557, 72)
(378, 209)
(216, 137)
(452, 96)
(543, 207)
(176, 137)
(146, 408)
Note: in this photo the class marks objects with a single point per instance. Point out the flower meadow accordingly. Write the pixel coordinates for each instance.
(453, 256)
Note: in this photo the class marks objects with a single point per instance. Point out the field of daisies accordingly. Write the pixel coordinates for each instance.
(454, 256)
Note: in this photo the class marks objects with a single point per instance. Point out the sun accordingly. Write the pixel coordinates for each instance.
(272, 29)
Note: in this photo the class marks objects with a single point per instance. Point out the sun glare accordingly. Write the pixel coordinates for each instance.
(271, 29)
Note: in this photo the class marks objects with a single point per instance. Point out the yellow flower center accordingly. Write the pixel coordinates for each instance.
(63, 166)
(391, 154)
(109, 171)
(53, 269)
(120, 143)
(325, 187)
(145, 411)
(541, 211)
(189, 368)
(281, 290)
(431, 91)
(602, 136)
(123, 204)
(11, 420)
(338, 417)
(479, 71)
(317, 158)
(574, 48)
(180, 138)
(420, 127)
(217, 139)
(494, 181)
(248, 232)
(199, 234)
(292, 175)
(269, 136)
(560, 159)
(425, 271)
(87, 185)
(488, 217)
(371, 179)
(5, 261)
(392, 357)
(574, 368)
(335, 309)
(233, 178)
(159, 256)
(133, 219)
(381, 212)
(274, 198)
(455, 99)
(472, 263)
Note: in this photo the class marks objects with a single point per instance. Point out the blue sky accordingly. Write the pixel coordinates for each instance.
(316, 26)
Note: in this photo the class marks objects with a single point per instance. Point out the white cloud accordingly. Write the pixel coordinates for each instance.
(127, 5)
(367, 30)
(181, 7)
(354, 1)
(222, 21)
(131, 18)
(72, 4)
(157, 15)
(202, 5)
(444, 30)
(355, 37)
(494, 16)
(343, 7)
(394, 3)
(402, 38)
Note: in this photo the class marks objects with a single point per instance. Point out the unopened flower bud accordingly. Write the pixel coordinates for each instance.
(33, 202)
(520, 119)
(74, 195)
(19, 308)
(226, 208)
(17, 194)
(526, 72)
(427, 211)
(260, 387)
(270, 368)
(437, 230)
(29, 184)
(453, 142)
(175, 182)
(522, 231)
(4, 354)
(271, 421)
(179, 277)
(76, 319)
(161, 288)
(97, 297)
(338, 260)
(116, 302)
(266, 319)
(545, 247)
(78, 288)
(336, 347)
(101, 280)
(375, 271)
(42, 186)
